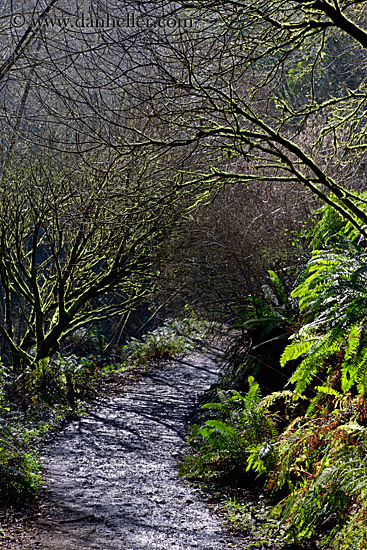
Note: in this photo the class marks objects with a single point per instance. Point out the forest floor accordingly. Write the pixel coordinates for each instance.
(111, 480)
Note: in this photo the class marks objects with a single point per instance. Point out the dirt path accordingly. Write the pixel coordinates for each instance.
(112, 476)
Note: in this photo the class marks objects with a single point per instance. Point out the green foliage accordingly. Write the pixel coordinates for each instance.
(239, 515)
(332, 298)
(20, 475)
(266, 320)
(324, 462)
(64, 379)
(333, 229)
(268, 308)
(255, 519)
(19, 465)
(172, 338)
(322, 454)
(239, 437)
(341, 488)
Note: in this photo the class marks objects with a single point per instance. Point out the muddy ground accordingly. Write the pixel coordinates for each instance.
(112, 479)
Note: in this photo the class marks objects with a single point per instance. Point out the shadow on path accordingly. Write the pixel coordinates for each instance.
(112, 476)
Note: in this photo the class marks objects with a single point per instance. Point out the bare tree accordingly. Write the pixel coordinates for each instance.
(250, 83)
(85, 214)
(78, 248)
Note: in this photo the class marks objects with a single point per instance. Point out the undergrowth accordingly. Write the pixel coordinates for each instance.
(19, 464)
(239, 437)
(174, 337)
(305, 443)
(60, 389)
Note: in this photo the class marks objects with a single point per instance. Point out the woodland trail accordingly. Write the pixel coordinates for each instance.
(112, 476)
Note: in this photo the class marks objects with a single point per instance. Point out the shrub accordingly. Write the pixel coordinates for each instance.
(19, 466)
(63, 379)
(172, 338)
(240, 437)
(266, 320)
(322, 461)
(333, 300)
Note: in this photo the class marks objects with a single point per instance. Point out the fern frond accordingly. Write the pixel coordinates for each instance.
(354, 339)
(307, 370)
(297, 348)
(270, 399)
(329, 391)
(254, 393)
(213, 406)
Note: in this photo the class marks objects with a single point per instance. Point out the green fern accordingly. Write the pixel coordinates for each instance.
(329, 391)
(333, 299)
(298, 348)
(309, 367)
(273, 397)
(241, 436)
(340, 483)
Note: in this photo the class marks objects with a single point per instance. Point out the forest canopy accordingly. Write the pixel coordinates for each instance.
(247, 93)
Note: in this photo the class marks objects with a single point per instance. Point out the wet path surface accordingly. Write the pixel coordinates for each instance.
(112, 476)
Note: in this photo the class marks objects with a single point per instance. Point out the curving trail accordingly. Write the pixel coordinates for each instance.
(112, 476)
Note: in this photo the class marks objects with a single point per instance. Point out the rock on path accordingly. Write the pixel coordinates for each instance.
(112, 476)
